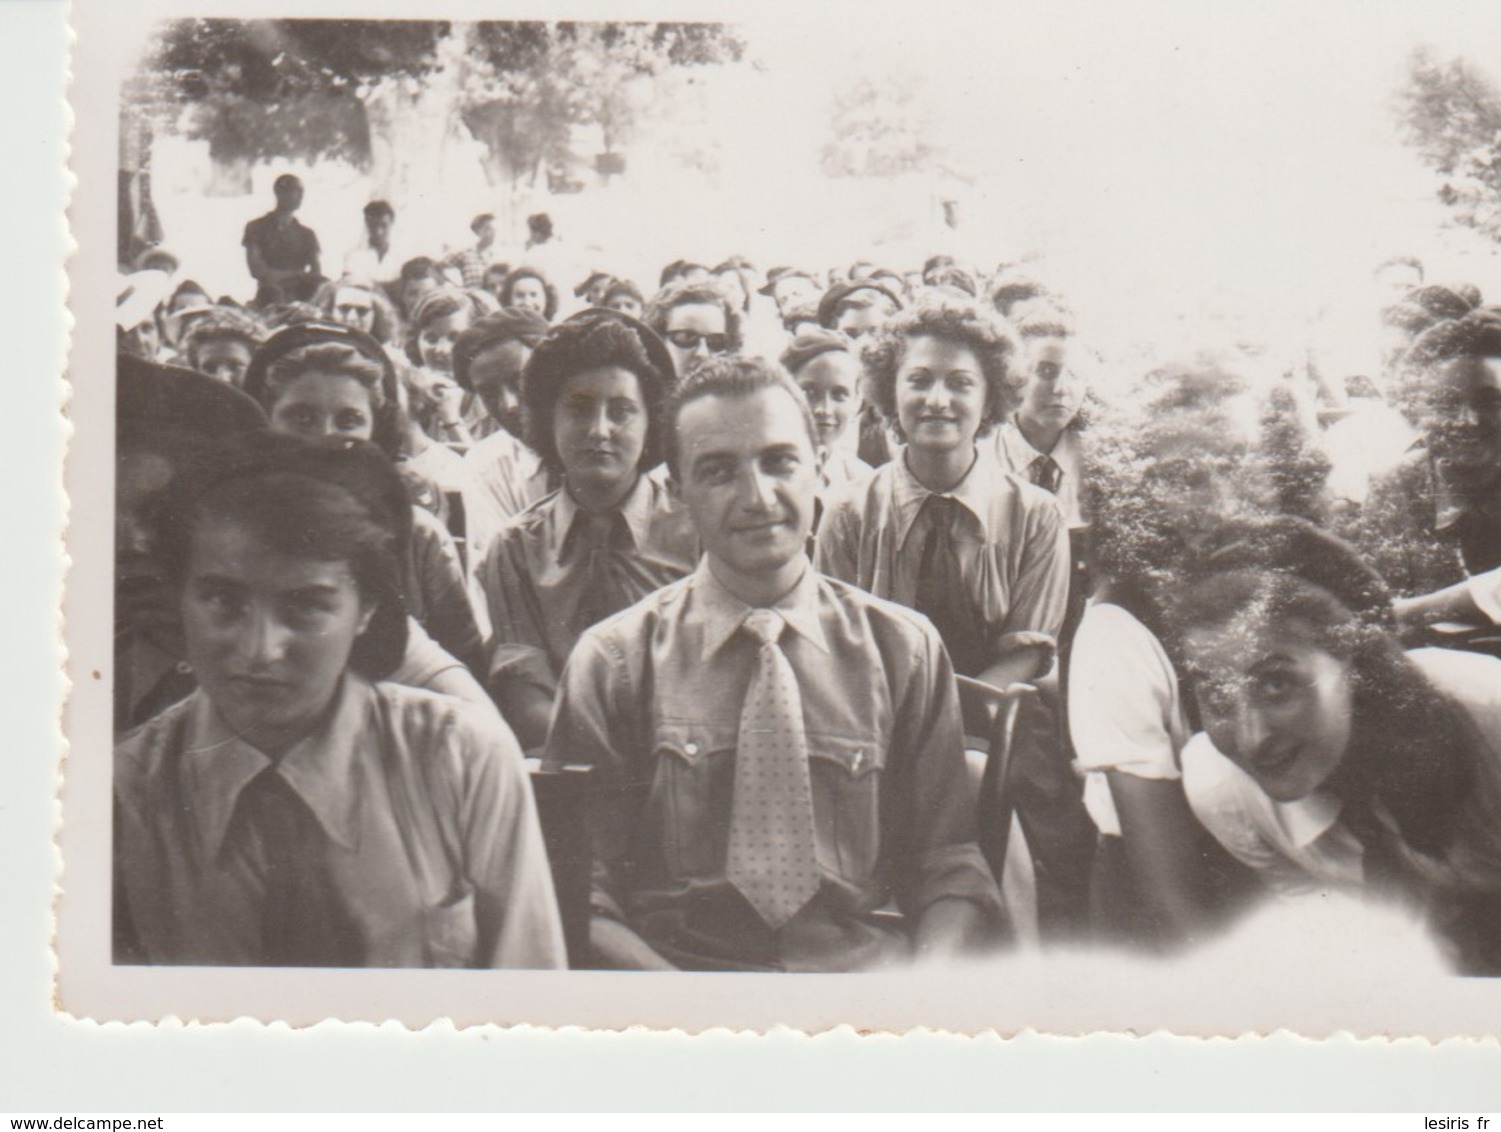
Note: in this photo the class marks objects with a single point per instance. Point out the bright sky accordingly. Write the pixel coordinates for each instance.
(1165, 158)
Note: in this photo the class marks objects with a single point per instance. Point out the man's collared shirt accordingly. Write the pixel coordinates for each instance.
(556, 569)
(1016, 454)
(422, 830)
(471, 264)
(1011, 543)
(652, 700)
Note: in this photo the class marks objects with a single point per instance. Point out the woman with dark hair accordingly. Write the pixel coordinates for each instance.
(295, 810)
(941, 528)
(593, 393)
(1331, 759)
(624, 297)
(526, 288)
(1164, 472)
(324, 380)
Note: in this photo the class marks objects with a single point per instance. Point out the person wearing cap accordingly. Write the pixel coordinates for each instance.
(502, 475)
(281, 252)
(137, 304)
(593, 289)
(775, 755)
(321, 379)
(594, 391)
(624, 297)
(823, 364)
(857, 308)
(298, 809)
(472, 262)
(736, 277)
(696, 320)
(789, 287)
(221, 344)
(168, 423)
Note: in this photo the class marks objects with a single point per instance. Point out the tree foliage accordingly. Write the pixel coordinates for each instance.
(1451, 114)
(878, 129)
(531, 83)
(301, 89)
(262, 89)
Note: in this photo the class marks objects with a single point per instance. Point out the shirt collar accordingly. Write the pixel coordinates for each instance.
(908, 495)
(723, 613)
(1020, 452)
(218, 764)
(636, 509)
(1307, 819)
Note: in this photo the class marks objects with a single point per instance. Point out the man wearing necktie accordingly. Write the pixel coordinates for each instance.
(777, 756)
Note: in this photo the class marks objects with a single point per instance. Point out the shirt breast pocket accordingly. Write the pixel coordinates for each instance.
(691, 798)
(845, 773)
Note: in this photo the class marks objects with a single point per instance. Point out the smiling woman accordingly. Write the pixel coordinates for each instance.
(294, 811)
(1331, 759)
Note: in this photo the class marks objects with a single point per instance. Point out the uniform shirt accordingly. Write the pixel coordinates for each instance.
(555, 570)
(652, 700)
(1302, 845)
(838, 465)
(436, 592)
(502, 478)
(292, 246)
(418, 832)
(1126, 710)
(1016, 454)
(1012, 545)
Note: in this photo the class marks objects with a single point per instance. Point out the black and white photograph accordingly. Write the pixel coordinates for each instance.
(993, 511)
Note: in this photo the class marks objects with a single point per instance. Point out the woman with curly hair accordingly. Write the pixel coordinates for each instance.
(1164, 472)
(942, 528)
(526, 288)
(593, 395)
(1332, 760)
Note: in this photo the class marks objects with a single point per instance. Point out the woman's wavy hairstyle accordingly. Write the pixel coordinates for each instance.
(1414, 754)
(507, 294)
(589, 340)
(704, 293)
(952, 319)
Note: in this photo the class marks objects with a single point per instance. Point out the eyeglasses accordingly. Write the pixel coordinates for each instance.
(692, 339)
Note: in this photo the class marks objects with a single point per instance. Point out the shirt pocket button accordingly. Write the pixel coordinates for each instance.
(690, 748)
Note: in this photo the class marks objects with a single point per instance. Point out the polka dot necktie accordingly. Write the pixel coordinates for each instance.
(772, 857)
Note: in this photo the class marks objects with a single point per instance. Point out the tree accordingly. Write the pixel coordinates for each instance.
(257, 90)
(1451, 114)
(530, 84)
(878, 129)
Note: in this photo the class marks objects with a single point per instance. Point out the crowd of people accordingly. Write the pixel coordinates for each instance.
(403, 544)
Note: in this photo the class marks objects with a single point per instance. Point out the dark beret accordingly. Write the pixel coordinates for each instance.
(828, 306)
(157, 400)
(505, 325)
(809, 344)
